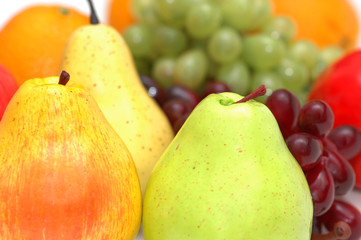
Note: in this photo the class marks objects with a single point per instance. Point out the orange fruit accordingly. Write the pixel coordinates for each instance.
(326, 22)
(120, 14)
(33, 41)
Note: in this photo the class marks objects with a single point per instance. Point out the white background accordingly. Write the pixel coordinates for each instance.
(9, 8)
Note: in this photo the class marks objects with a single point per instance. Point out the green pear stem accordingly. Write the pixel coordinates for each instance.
(341, 231)
(256, 93)
(64, 78)
(93, 15)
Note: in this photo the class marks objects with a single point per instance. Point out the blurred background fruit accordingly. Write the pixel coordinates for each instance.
(340, 87)
(331, 22)
(120, 14)
(196, 42)
(33, 40)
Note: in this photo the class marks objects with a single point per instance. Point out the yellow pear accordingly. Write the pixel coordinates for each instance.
(97, 57)
(64, 172)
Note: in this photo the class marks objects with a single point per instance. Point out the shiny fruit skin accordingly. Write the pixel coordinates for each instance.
(286, 108)
(343, 211)
(72, 180)
(340, 87)
(33, 41)
(8, 87)
(119, 92)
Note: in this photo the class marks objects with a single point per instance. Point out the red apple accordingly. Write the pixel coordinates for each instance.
(8, 87)
(340, 87)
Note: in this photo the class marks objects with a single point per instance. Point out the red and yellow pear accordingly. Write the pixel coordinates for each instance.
(64, 172)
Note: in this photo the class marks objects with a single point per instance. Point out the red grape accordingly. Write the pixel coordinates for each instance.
(342, 172)
(285, 106)
(153, 89)
(179, 122)
(347, 139)
(316, 118)
(317, 225)
(184, 93)
(343, 211)
(175, 108)
(327, 143)
(321, 186)
(215, 87)
(341, 231)
(317, 148)
(305, 148)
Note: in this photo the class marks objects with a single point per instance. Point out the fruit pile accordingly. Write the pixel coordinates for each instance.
(193, 42)
(323, 155)
(98, 160)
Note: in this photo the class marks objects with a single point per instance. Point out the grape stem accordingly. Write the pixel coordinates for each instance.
(256, 93)
(64, 78)
(93, 15)
(341, 231)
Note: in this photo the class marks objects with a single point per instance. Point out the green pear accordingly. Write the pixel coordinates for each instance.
(64, 172)
(97, 57)
(228, 174)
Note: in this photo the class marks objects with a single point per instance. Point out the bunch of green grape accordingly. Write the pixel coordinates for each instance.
(238, 42)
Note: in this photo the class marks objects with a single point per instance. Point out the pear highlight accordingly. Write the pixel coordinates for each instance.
(64, 172)
(228, 174)
(98, 58)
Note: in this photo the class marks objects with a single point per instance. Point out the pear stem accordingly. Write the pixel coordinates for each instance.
(64, 78)
(256, 93)
(93, 15)
(341, 231)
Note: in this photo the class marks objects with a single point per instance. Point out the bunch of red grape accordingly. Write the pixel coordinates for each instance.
(178, 101)
(323, 154)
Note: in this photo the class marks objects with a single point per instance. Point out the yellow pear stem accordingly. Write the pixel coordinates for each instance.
(93, 15)
(341, 231)
(256, 93)
(64, 78)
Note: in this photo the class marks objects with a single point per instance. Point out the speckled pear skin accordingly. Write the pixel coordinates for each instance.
(228, 174)
(64, 171)
(97, 57)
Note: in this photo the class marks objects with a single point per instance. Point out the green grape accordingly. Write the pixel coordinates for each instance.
(293, 73)
(246, 15)
(304, 51)
(145, 11)
(169, 41)
(139, 39)
(200, 44)
(202, 20)
(271, 81)
(173, 12)
(236, 75)
(262, 52)
(190, 69)
(280, 28)
(163, 71)
(318, 69)
(143, 66)
(331, 54)
(225, 45)
(302, 97)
